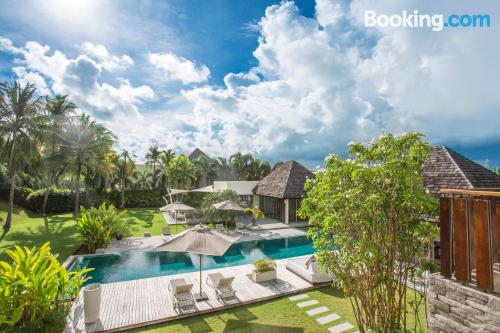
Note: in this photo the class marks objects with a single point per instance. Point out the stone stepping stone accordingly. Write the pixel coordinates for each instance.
(327, 319)
(316, 311)
(307, 303)
(340, 328)
(297, 297)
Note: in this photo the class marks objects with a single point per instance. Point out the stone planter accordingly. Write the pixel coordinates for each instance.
(263, 276)
(92, 302)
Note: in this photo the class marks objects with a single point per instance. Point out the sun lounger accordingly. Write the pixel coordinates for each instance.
(308, 269)
(182, 293)
(222, 286)
(240, 226)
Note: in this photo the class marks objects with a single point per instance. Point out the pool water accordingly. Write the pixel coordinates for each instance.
(139, 265)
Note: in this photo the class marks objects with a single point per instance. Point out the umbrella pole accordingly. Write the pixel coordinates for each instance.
(201, 296)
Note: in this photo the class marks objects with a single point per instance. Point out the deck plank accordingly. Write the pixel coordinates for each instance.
(143, 302)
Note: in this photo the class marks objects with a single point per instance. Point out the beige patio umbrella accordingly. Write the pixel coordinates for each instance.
(200, 240)
(175, 208)
(228, 206)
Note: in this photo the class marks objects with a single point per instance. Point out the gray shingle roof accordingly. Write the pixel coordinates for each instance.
(446, 168)
(286, 182)
(197, 153)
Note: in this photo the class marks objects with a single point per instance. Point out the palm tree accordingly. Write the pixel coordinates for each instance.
(257, 170)
(239, 163)
(126, 168)
(84, 142)
(180, 172)
(21, 122)
(152, 158)
(224, 170)
(277, 165)
(143, 180)
(58, 109)
(496, 170)
(165, 158)
(205, 169)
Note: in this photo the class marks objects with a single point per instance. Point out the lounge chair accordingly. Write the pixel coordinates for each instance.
(166, 231)
(222, 286)
(182, 293)
(240, 226)
(219, 227)
(308, 269)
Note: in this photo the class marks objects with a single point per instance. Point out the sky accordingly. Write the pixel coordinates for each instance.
(281, 80)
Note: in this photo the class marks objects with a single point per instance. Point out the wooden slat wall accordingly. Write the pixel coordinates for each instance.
(480, 220)
(461, 240)
(445, 236)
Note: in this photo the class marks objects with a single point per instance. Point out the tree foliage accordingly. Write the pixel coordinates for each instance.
(366, 216)
(215, 215)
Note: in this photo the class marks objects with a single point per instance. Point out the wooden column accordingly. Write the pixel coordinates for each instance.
(480, 220)
(445, 235)
(461, 259)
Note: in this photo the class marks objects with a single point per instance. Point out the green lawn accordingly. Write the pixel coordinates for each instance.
(29, 229)
(279, 315)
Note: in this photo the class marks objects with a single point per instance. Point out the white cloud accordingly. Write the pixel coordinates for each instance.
(108, 61)
(178, 68)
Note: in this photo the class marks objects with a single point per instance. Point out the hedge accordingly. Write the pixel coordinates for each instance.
(63, 200)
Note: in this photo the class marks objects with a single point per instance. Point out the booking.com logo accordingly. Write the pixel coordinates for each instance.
(416, 20)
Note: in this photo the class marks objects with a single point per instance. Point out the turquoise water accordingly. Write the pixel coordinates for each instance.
(139, 265)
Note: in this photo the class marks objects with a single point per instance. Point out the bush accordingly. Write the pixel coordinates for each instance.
(98, 225)
(34, 287)
(264, 265)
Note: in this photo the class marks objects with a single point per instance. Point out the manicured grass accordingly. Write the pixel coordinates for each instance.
(279, 315)
(29, 229)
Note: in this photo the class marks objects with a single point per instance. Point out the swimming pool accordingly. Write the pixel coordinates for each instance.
(139, 265)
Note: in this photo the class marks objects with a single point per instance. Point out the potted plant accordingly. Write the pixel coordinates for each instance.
(256, 214)
(264, 270)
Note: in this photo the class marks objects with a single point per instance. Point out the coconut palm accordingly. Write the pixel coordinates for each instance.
(21, 121)
(165, 158)
(143, 180)
(180, 172)
(239, 163)
(224, 170)
(58, 109)
(153, 158)
(125, 172)
(205, 169)
(277, 165)
(257, 169)
(496, 170)
(84, 142)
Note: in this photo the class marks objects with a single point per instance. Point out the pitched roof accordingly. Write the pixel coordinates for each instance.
(286, 182)
(446, 168)
(197, 153)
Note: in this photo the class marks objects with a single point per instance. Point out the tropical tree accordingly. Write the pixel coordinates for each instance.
(256, 213)
(84, 143)
(124, 173)
(366, 222)
(239, 164)
(165, 158)
(257, 169)
(224, 170)
(277, 165)
(58, 109)
(215, 215)
(205, 169)
(180, 172)
(496, 170)
(143, 180)
(21, 122)
(152, 159)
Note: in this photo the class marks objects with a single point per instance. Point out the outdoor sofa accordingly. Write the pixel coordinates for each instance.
(308, 269)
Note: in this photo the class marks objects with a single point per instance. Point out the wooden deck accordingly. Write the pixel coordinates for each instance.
(144, 302)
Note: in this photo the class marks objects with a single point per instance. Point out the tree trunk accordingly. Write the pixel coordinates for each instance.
(123, 195)
(77, 194)
(12, 171)
(47, 191)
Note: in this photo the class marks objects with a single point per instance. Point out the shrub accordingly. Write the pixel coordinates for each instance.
(264, 265)
(34, 287)
(98, 225)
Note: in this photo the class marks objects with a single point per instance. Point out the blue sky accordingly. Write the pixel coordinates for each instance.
(284, 80)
